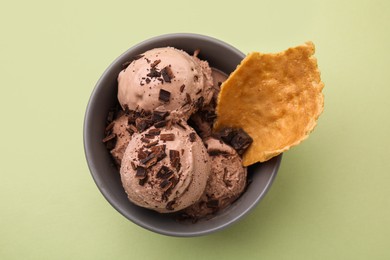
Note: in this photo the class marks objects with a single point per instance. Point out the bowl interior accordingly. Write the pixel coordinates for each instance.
(219, 55)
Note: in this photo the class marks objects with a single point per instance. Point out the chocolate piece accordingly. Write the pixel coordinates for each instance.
(241, 141)
(145, 140)
(159, 151)
(165, 185)
(148, 80)
(167, 74)
(174, 157)
(109, 126)
(160, 124)
(164, 95)
(188, 99)
(155, 63)
(180, 124)
(167, 137)
(192, 137)
(159, 115)
(154, 73)
(133, 165)
(169, 205)
(142, 124)
(164, 172)
(140, 173)
(225, 134)
(142, 154)
(154, 132)
(149, 136)
(151, 144)
(132, 129)
(143, 181)
(147, 158)
(182, 88)
(108, 138)
(151, 162)
(216, 152)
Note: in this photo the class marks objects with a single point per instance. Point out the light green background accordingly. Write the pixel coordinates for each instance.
(330, 199)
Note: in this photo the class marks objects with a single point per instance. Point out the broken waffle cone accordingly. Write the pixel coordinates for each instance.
(275, 98)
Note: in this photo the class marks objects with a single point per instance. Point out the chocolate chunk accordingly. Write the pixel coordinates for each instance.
(133, 165)
(143, 181)
(154, 132)
(142, 154)
(108, 138)
(149, 136)
(142, 124)
(241, 141)
(147, 158)
(155, 63)
(151, 162)
(159, 115)
(169, 205)
(160, 124)
(165, 185)
(159, 151)
(140, 173)
(167, 137)
(182, 88)
(151, 144)
(192, 137)
(216, 152)
(174, 157)
(164, 95)
(110, 126)
(180, 124)
(154, 73)
(212, 203)
(188, 99)
(145, 140)
(164, 172)
(167, 74)
(147, 80)
(132, 129)
(226, 135)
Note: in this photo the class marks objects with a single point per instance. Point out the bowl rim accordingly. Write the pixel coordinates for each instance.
(89, 156)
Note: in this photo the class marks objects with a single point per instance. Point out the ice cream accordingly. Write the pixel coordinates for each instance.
(165, 169)
(226, 182)
(160, 151)
(167, 78)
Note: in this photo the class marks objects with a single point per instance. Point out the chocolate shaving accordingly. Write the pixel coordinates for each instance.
(216, 152)
(143, 181)
(164, 95)
(164, 172)
(169, 205)
(147, 158)
(180, 124)
(149, 136)
(154, 132)
(165, 185)
(188, 99)
(192, 137)
(159, 151)
(155, 63)
(174, 157)
(167, 137)
(142, 154)
(212, 203)
(159, 115)
(182, 88)
(133, 165)
(142, 124)
(110, 126)
(167, 74)
(108, 138)
(198, 92)
(132, 129)
(151, 144)
(160, 124)
(154, 73)
(140, 173)
(148, 80)
(145, 140)
(151, 162)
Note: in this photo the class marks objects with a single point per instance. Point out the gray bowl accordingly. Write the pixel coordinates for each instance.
(219, 55)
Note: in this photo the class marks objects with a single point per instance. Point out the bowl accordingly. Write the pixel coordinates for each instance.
(220, 55)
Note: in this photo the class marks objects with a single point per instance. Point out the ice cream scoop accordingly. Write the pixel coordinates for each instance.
(168, 78)
(226, 182)
(165, 169)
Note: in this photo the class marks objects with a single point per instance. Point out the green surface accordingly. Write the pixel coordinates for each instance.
(330, 199)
